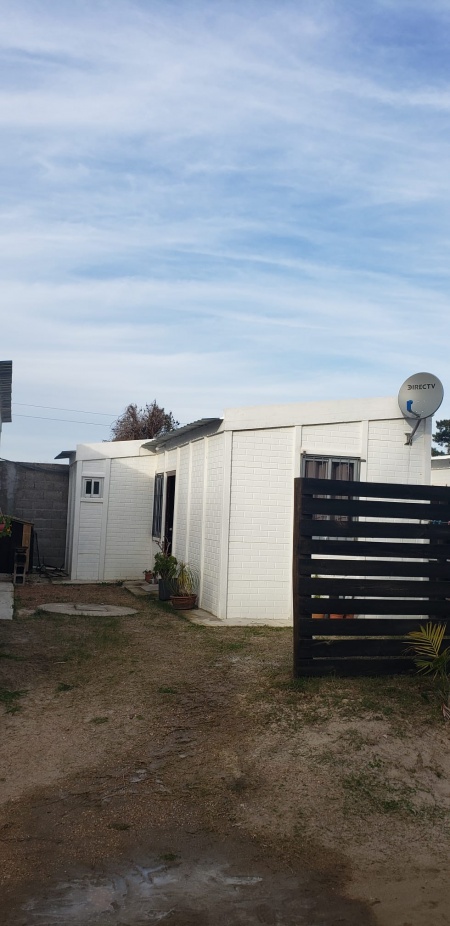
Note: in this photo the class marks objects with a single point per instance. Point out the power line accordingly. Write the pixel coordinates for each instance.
(56, 408)
(94, 424)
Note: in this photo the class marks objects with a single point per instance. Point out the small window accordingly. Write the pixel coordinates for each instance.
(158, 505)
(330, 468)
(92, 487)
(340, 468)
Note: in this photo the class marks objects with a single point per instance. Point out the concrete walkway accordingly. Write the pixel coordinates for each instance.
(6, 601)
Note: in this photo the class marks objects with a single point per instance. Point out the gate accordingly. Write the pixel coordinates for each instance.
(378, 553)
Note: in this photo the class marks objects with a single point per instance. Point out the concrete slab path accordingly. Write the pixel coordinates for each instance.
(86, 610)
(6, 601)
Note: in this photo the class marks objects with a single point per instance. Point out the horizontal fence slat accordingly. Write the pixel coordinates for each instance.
(373, 606)
(374, 490)
(354, 508)
(382, 529)
(386, 588)
(334, 584)
(348, 648)
(350, 667)
(323, 547)
(370, 627)
(364, 567)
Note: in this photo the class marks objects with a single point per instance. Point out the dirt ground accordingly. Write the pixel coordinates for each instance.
(153, 770)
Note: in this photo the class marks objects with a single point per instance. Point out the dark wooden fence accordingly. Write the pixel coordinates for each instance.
(346, 563)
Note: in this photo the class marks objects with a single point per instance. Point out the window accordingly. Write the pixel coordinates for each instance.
(92, 487)
(158, 505)
(331, 468)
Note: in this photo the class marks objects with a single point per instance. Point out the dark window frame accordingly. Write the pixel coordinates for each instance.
(158, 496)
(328, 464)
(90, 483)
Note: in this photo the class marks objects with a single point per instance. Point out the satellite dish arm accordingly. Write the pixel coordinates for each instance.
(409, 437)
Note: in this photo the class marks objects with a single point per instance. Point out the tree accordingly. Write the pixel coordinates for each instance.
(442, 437)
(143, 423)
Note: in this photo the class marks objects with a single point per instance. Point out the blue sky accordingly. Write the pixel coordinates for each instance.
(219, 204)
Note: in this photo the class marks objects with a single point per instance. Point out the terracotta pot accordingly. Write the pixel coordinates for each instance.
(183, 602)
(339, 617)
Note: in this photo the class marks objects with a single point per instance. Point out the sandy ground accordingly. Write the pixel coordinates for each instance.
(154, 770)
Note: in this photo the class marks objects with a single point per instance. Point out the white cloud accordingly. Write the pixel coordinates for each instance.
(233, 204)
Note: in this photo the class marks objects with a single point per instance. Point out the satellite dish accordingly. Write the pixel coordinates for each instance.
(420, 396)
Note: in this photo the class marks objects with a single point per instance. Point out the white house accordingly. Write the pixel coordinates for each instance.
(222, 491)
(440, 470)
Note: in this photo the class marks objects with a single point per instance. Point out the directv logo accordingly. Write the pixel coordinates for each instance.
(422, 386)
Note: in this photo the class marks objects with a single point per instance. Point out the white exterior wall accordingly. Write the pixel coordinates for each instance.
(264, 465)
(111, 536)
(128, 539)
(260, 540)
(198, 515)
(440, 471)
(91, 525)
(389, 459)
(182, 502)
(213, 523)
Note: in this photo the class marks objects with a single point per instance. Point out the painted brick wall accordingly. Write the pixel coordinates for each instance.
(389, 460)
(181, 503)
(213, 524)
(196, 504)
(128, 544)
(345, 437)
(259, 577)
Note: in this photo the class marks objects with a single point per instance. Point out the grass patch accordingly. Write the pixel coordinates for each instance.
(368, 791)
(63, 686)
(10, 699)
(165, 689)
(99, 720)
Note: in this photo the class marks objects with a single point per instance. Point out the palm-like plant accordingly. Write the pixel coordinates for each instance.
(186, 579)
(431, 659)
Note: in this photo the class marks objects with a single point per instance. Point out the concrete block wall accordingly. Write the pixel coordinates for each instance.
(38, 492)
(260, 540)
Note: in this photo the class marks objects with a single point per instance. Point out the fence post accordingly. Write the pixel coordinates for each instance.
(299, 613)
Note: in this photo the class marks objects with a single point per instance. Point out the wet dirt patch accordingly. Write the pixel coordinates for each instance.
(196, 880)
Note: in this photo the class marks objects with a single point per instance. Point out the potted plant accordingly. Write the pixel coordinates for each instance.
(184, 596)
(165, 568)
(148, 575)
